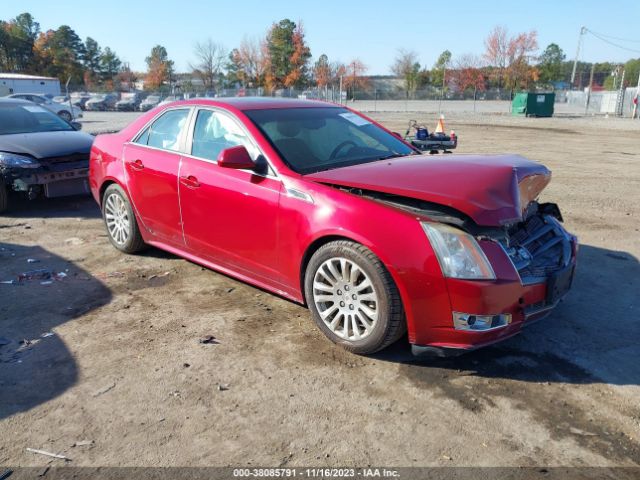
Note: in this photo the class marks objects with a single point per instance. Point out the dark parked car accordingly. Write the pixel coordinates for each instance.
(150, 102)
(322, 205)
(40, 153)
(128, 103)
(80, 100)
(102, 102)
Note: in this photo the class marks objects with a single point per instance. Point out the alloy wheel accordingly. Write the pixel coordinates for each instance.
(345, 299)
(117, 218)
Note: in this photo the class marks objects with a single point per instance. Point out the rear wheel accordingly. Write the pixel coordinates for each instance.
(352, 297)
(4, 197)
(120, 221)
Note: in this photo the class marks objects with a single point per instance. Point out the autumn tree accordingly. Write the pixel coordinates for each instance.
(468, 74)
(59, 54)
(322, 71)
(354, 76)
(511, 57)
(407, 67)
(288, 54)
(159, 68)
(210, 60)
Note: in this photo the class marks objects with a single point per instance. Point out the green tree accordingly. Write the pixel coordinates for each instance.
(60, 53)
(17, 38)
(109, 64)
(440, 67)
(550, 64)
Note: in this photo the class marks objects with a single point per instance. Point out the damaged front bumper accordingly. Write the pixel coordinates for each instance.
(50, 181)
(534, 268)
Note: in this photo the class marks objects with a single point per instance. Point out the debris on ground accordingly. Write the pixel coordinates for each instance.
(48, 454)
(223, 387)
(47, 334)
(75, 241)
(209, 340)
(577, 431)
(104, 389)
(161, 275)
(33, 260)
(83, 443)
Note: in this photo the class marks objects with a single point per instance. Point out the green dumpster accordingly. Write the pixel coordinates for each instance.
(533, 104)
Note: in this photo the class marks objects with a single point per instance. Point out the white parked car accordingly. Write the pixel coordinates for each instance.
(64, 110)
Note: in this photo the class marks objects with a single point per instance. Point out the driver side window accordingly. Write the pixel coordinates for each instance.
(214, 132)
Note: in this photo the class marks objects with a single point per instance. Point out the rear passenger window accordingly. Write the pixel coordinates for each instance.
(166, 131)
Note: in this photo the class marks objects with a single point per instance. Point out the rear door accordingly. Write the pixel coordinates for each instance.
(230, 216)
(151, 162)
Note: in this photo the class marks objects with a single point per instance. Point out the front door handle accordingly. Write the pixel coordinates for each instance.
(190, 181)
(136, 165)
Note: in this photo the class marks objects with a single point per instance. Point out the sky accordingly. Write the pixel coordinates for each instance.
(371, 30)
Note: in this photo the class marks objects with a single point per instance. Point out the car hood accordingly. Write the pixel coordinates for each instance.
(43, 145)
(493, 190)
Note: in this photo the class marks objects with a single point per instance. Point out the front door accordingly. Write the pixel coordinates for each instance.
(151, 164)
(229, 216)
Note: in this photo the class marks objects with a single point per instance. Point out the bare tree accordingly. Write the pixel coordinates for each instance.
(406, 66)
(210, 58)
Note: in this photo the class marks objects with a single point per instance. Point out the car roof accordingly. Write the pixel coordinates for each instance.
(259, 103)
(14, 101)
(26, 93)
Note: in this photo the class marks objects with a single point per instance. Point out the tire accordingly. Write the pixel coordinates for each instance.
(120, 221)
(65, 115)
(366, 325)
(4, 197)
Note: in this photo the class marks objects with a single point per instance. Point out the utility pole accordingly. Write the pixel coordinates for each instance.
(340, 89)
(583, 30)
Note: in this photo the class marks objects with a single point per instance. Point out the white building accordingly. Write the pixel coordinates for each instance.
(19, 83)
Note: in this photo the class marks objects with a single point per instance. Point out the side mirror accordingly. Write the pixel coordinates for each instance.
(236, 157)
(76, 125)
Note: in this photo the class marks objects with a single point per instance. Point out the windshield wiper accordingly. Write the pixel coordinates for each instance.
(392, 155)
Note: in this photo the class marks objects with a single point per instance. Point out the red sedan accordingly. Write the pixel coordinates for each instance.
(322, 205)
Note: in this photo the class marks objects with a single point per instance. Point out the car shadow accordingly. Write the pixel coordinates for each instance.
(82, 206)
(591, 337)
(35, 363)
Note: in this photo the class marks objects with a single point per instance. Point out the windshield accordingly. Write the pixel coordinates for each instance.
(314, 139)
(29, 119)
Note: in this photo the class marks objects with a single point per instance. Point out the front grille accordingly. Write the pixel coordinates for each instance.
(74, 157)
(538, 247)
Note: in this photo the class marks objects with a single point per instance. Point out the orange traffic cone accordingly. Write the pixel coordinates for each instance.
(440, 126)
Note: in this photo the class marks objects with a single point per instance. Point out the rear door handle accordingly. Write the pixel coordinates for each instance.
(190, 181)
(136, 165)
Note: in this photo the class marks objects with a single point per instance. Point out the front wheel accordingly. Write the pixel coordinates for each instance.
(65, 115)
(120, 221)
(352, 297)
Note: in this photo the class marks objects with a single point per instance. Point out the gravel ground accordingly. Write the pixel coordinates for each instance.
(124, 369)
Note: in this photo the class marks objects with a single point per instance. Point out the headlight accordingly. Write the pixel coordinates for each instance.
(458, 253)
(13, 160)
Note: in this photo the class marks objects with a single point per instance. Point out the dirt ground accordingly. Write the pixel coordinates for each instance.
(112, 361)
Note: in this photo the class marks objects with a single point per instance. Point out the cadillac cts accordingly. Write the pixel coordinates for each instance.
(322, 205)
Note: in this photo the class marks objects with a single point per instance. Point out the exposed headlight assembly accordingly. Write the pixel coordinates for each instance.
(458, 253)
(14, 160)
